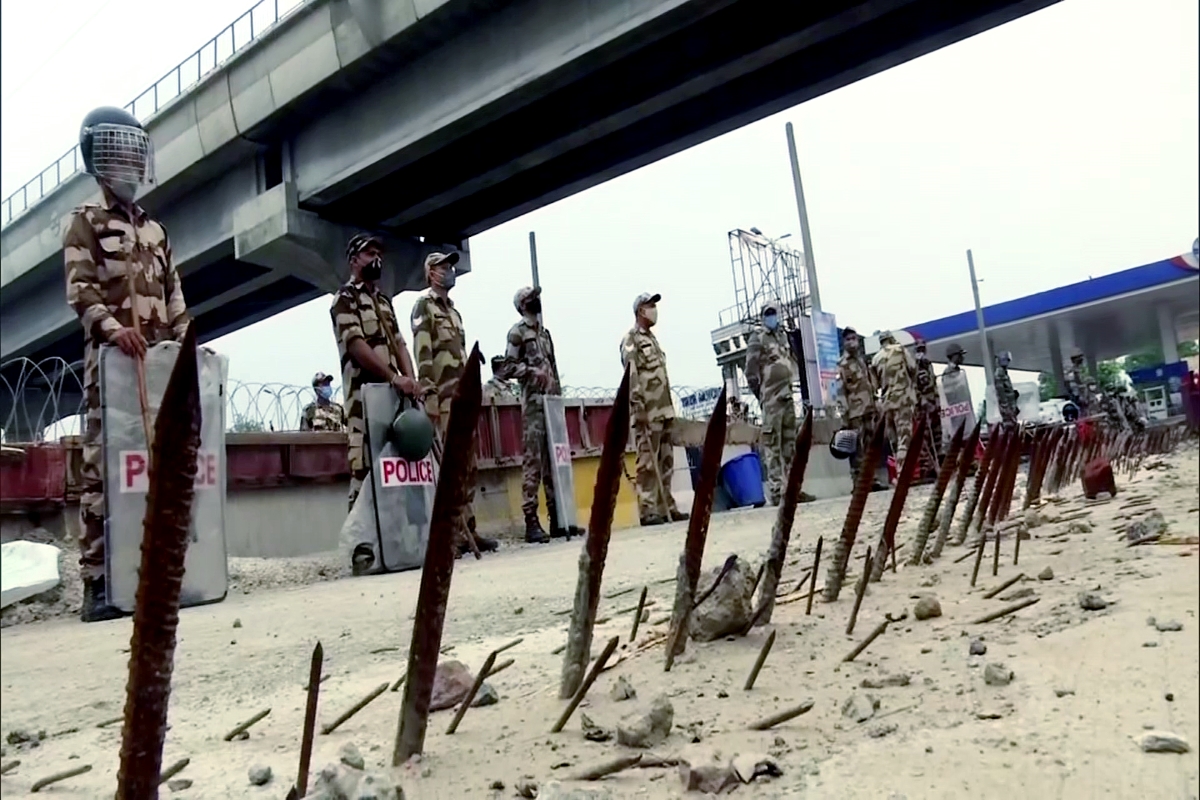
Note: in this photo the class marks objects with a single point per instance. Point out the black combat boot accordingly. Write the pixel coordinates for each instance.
(557, 531)
(653, 519)
(680, 516)
(486, 544)
(95, 602)
(362, 560)
(534, 532)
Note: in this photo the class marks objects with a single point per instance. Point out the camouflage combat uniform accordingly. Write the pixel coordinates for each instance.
(104, 252)
(529, 349)
(440, 345)
(362, 311)
(1006, 397)
(856, 401)
(769, 373)
(327, 417)
(652, 412)
(898, 401)
(927, 398)
(1080, 388)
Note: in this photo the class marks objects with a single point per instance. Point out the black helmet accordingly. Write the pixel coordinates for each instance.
(955, 349)
(115, 145)
(844, 444)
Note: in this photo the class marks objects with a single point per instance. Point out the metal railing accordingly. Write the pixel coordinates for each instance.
(212, 55)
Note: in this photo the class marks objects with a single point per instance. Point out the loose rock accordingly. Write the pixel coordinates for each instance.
(1063, 692)
(350, 756)
(591, 731)
(978, 648)
(1033, 518)
(997, 675)
(237, 623)
(622, 689)
(486, 696)
(898, 679)
(927, 608)
(260, 775)
(750, 766)
(728, 609)
(377, 786)
(1169, 625)
(1046, 575)
(860, 707)
(1152, 524)
(527, 787)
(708, 778)
(1163, 742)
(1092, 602)
(451, 683)
(650, 730)
(179, 784)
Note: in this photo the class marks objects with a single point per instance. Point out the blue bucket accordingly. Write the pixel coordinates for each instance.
(742, 477)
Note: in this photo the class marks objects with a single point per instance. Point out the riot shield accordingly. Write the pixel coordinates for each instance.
(126, 474)
(563, 475)
(395, 507)
(956, 406)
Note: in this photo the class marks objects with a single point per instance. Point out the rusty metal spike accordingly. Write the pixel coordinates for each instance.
(450, 499)
(688, 572)
(966, 458)
(165, 536)
(985, 468)
(836, 572)
(945, 473)
(995, 470)
(784, 520)
(887, 539)
(310, 718)
(595, 546)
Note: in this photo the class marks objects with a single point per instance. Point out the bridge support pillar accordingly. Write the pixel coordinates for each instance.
(272, 231)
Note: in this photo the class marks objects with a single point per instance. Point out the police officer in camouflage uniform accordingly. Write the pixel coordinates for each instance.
(652, 412)
(856, 395)
(897, 371)
(121, 281)
(927, 396)
(440, 343)
(769, 374)
(371, 347)
(1080, 386)
(529, 359)
(324, 414)
(1006, 395)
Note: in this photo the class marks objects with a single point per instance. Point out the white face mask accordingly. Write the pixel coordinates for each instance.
(124, 191)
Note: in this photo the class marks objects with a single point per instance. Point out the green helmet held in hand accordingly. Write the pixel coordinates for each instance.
(412, 434)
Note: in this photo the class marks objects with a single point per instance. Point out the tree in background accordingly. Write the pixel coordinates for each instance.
(243, 424)
(1110, 376)
(1154, 356)
(1047, 386)
(1189, 349)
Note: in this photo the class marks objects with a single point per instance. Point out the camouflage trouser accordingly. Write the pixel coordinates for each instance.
(655, 463)
(779, 442)
(356, 450)
(443, 425)
(91, 471)
(899, 430)
(536, 466)
(1008, 417)
(865, 426)
(933, 416)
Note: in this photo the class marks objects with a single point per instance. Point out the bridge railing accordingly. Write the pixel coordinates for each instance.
(213, 54)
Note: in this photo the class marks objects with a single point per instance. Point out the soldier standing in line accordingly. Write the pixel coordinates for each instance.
(1080, 387)
(652, 413)
(769, 373)
(897, 378)
(856, 395)
(927, 397)
(1006, 395)
(440, 342)
(529, 359)
(121, 281)
(324, 414)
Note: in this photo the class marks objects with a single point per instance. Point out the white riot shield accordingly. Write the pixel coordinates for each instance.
(563, 475)
(126, 477)
(395, 507)
(957, 409)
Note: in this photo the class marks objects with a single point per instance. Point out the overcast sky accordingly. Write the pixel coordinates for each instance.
(1057, 147)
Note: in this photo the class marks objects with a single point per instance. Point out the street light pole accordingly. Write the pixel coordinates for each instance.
(983, 342)
(534, 264)
(810, 267)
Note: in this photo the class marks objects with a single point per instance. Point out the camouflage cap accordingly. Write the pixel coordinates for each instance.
(770, 305)
(361, 241)
(440, 259)
(524, 294)
(321, 378)
(886, 336)
(848, 331)
(645, 299)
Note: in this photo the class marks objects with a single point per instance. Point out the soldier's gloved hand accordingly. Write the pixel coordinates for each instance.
(132, 343)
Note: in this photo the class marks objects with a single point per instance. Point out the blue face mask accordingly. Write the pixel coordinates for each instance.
(771, 321)
(324, 392)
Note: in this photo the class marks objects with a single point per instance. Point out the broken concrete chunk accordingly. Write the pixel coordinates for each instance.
(622, 689)
(451, 683)
(486, 696)
(707, 778)
(978, 648)
(860, 707)
(1090, 601)
(1152, 524)
(751, 765)
(1046, 575)
(728, 609)
(997, 675)
(650, 730)
(527, 787)
(350, 756)
(377, 786)
(927, 607)
(591, 731)
(1162, 742)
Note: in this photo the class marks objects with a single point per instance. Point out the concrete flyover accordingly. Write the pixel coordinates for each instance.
(433, 120)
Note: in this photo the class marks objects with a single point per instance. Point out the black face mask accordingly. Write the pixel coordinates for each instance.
(534, 306)
(372, 271)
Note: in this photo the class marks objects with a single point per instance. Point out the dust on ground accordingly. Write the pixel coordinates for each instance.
(1085, 682)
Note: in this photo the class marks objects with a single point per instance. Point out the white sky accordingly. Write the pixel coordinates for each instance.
(1059, 146)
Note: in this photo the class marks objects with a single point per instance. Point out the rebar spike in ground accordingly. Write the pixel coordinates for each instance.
(767, 723)
(466, 703)
(71, 773)
(995, 471)
(688, 572)
(637, 614)
(310, 718)
(245, 726)
(1004, 612)
(9, 766)
(887, 539)
(925, 526)
(784, 520)
(730, 563)
(173, 770)
(597, 668)
(354, 709)
(758, 662)
(165, 536)
(503, 665)
(981, 475)
(873, 635)
(812, 583)
(840, 557)
(990, 593)
(449, 503)
(595, 547)
(599, 771)
(860, 591)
